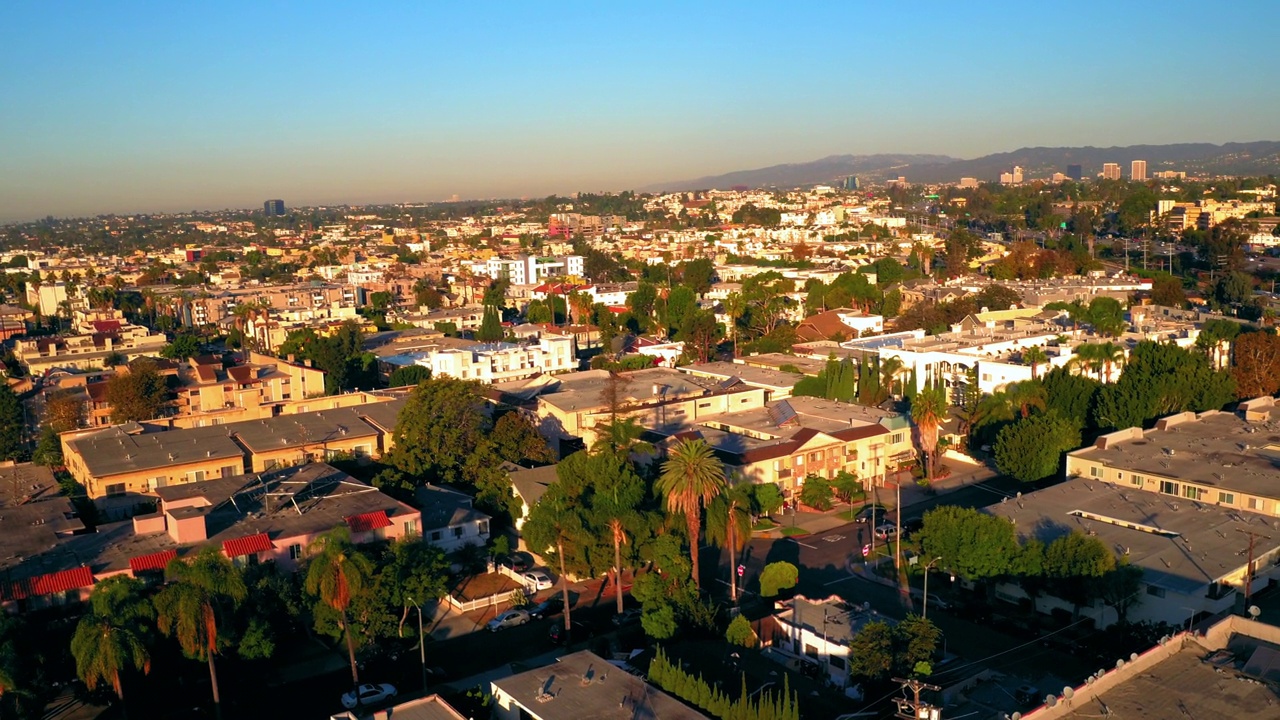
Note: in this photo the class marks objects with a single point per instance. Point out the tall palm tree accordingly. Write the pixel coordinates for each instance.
(111, 637)
(1110, 355)
(552, 523)
(890, 368)
(729, 526)
(1084, 358)
(691, 477)
(189, 607)
(336, 575)
(734, 306)
(1035, 357)
(928, 408)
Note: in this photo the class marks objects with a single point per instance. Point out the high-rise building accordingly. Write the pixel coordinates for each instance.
(1138, 171)
(1013, 177)
(273, 208)
(1075, 172)
(852, 183)
(1110, 171)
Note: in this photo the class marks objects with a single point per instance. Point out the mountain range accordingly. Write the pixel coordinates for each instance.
(1252, 158)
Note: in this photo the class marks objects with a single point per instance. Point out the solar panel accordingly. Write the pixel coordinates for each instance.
(781, 413)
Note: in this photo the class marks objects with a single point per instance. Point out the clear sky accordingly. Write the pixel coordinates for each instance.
(122, 106)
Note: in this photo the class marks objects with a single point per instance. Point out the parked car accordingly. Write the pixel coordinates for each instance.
(627, 617)
(516, 561)
(886, 531)
(551, 606)
(864, 515)
(368, 694)
(577, 631)
(510, 618)
(537, 579)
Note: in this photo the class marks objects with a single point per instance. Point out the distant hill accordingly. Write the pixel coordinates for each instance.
(826, 170)
(1253, 158)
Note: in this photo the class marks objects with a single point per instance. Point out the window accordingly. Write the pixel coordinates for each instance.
(457, 531)
(115, 489)
(899, 437)
(811, 651)
(836, 662)
(1137, 480)
(1227, 498)
(295, 551)
(270, 465)
(1155, 591)
(483, 527)
(1257, 504)
(703, 405)
(435, 536)
(1168, 488)
(195, 476)
(797, 461)
(1191, 492)
(410, 527)
(1095, 472)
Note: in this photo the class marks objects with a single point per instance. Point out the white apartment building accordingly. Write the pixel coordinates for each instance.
(498, 362)
(820, 631)
(532, 269)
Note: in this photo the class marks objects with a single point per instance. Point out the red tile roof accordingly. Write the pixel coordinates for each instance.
(250, 545)
(105, 326)
(154, 561)
(49, 584)
(369, 521)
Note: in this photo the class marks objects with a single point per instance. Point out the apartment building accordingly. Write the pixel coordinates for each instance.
(88, 351)
(1215, 458)
(1138, 171)
(48, 298)
(502, 361)
(533, 269)
(1110, 171)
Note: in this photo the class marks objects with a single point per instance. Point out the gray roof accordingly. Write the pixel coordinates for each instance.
(34, 516)
(531, 483)
(114, 451)
(301, 429)
(833, 619)
(585, 391)
(1216, 449)
(443, 508)
(758, 376)
(584, 685)
(1179, 544)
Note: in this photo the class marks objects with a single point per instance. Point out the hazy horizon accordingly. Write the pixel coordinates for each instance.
(131, 108)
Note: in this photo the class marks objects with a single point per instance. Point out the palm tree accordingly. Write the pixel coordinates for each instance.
(111, 637)
(889, 370)
(1024, 396)
(1110, 355)
(336, 575)
(729, 526)
(188, 607)
(551, 523)
(691, 477)
(928, 408)
(734, 306)
(1084, 357)
(1035, 357)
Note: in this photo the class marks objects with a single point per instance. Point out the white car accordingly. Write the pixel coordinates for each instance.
(538, 580)
(510, 618)
(368, 694)
(886, 531)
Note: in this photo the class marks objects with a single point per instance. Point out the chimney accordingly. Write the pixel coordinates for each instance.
(289, 357)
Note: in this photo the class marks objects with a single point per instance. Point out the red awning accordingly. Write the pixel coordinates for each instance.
(49, 584)
(154, 561)
(369, 521)
(250, 545)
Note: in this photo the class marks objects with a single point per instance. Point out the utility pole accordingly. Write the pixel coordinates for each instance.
(1248, 574)
(916, 709)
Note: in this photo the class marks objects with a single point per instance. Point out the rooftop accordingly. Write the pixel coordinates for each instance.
(1180, 545)
(116, 450)
(584, 685)
(833, 618)
(757, 376)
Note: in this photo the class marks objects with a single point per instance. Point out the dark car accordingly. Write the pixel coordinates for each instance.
(864, 515)
(517, 562)
(630, 616)
(553, 605)
(577, 631)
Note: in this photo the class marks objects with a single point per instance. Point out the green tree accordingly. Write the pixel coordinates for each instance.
(490, 326)
(184, 346)
(1070, 396)
(776, 577)
(201, 593)
(336, 575)
(550, 527)
(443, 420)
(1035, 357)
(871, 651)
(974, 545)
(11, 423)
(516, 439)
(740, 633)
(1160, 379)
(408, 375)
(766, 499)
(1257, 364)
(1031, 448)
(411, 572)
(1106, 315)
(691, 477)
(111, 637)
(915, 639)
(928, 408)
(816, 492)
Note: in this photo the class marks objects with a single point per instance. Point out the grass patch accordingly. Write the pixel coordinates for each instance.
(764, 524)
(794, 532)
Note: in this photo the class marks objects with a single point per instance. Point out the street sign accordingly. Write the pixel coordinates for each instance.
(742, 570)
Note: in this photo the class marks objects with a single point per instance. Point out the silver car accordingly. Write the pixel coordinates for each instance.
(510, 618)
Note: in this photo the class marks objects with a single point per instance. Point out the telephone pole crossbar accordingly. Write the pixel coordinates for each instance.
(915, 708)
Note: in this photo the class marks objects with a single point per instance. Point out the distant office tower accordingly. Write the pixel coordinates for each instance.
(1017, 174)
(273, 208)
(1075, 172)
(852, 183)
(1138, 171)
(1013, 177)
(968, 182)
(1110, 171)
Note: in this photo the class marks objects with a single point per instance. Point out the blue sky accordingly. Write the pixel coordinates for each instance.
(128, 106)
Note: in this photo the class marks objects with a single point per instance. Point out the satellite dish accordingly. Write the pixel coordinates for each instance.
(1019, 493)
(1120, 663)
(1068, 693)
(1016, 716)
(1050, 700)
(1133, 657)
(1089, 680)
(1254, 611)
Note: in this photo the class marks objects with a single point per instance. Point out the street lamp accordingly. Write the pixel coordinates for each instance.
(422, 645)
(924, 612)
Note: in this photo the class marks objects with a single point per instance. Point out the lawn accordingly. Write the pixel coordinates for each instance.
(794, 532)
(763, 524)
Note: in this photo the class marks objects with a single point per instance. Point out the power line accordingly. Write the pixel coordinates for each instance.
(1016, 647)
